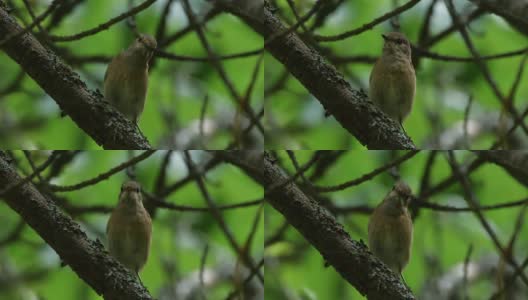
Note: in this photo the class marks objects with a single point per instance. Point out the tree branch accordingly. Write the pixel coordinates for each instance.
(514, 162)
(513, 11)
(86, 257)
(96, 117)
(352, 259)
(351, 108)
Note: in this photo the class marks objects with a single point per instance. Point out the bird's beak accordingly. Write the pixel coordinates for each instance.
(384, 37)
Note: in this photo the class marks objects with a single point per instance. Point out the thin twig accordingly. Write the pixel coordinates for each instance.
(472, 202)
(36, 21)
(482, 65)
(367, 26)
(465, 273)
(28, 178)
(103, 26)
(243, 254)
(367, 176)
(213, 58)
(202, 267)
(466, 117)
(101, 177)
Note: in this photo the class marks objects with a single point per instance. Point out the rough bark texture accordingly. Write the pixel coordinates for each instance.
(87, 109)
(514, 12)
(514, 162)
(351, 108)
(350, 258)
(86, 257)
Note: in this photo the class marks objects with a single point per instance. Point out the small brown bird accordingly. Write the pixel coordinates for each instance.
(129, 229)
(392, 80)
(126, 78)
(390, 228)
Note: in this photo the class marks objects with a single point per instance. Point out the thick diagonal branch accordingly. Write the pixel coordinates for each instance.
(86, 108)
(351, 108)
(86, 257)
(352, 259)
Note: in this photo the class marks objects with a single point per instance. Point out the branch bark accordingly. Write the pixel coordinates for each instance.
(515, 12)
(351, 108)
(87, 109)
(86, 257)
(514, 162)
(352, 259)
